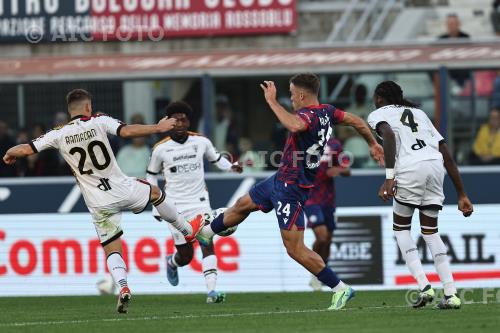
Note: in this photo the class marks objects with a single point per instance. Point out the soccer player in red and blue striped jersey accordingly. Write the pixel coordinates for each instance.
(286, 191)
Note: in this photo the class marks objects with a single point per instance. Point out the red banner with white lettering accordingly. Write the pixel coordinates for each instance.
(102, 20)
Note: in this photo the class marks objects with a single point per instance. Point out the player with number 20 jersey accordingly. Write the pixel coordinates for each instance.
(84, 144)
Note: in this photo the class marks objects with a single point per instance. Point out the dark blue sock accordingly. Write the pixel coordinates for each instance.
(217, 225)
(328, 277)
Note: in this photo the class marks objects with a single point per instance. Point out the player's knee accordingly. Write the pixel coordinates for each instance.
(323, 240)
(294, 250)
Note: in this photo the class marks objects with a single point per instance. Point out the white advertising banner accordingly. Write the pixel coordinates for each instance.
(59, 254)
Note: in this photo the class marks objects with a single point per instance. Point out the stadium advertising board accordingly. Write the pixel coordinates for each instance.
(61, 255)
(102, 20)
(356, 252)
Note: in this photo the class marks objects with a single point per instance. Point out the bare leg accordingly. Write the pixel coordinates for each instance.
(323, 241)
(239, 212)
(298, 251)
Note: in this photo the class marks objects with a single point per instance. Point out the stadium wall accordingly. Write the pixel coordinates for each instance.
(60, 253)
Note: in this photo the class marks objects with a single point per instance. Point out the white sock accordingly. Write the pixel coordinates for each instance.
(209, 267)
(410, 254)
(169, 214)
(117, 269)
(172, 262)
(207, 231)
(339, 286)
(441, 262)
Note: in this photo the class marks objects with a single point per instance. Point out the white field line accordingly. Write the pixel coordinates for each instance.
(220, 315)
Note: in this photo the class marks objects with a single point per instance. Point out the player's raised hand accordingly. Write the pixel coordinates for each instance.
(166, 124)
(237, 167)
(387, 190)
(9, 159)
(377, 153)
(269, 91)
(465, 206)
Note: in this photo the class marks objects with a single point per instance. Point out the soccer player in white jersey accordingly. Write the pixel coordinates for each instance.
(180, 158)
(414, 154)
(84, 144)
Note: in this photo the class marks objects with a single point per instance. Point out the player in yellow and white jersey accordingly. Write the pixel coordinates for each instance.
(180, 157)
(416, 156)
(84, 144)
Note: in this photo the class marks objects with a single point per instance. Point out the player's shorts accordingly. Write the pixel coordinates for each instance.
(420, 185)
(286, 199)
(320, 215)
(188, 213)
(107, 219)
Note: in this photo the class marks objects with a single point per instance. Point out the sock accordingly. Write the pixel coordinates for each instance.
(441, 263)
(172, 262)
(169, 214)
(217, 224)
(410, 253)
(117, 269)
(209, 267)
(329, 278)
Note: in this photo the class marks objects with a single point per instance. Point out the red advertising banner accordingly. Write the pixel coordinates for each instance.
(157, 19)
(124, 20)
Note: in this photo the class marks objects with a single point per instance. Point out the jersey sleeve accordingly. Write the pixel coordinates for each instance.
(155, 163)
(211, 154)
(434, 132)
(374, 119)
(111, 125)
(337, 116)
(46, 141)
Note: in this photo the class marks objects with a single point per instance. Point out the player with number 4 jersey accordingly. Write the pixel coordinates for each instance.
(83, 143)
(416, 156)
(286, 191)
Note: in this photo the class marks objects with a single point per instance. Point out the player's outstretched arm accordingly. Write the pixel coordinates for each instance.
(464, 204)
(292, 122)
(164, 125)
(389, 141)
(376, 150)
(16, 152)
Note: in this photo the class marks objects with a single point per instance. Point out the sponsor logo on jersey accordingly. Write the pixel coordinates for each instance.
(184, 157)
(186, 168)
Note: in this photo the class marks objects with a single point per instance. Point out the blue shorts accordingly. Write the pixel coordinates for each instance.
(286, 199)
(320, 215)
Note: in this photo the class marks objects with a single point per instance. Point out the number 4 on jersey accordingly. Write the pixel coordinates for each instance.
(408, 120)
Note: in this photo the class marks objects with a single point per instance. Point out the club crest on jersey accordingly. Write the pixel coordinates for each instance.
(324, 121)
(195, 148)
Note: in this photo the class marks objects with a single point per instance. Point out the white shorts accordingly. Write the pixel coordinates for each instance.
(107, 219)
(421, 185)
(188, 213)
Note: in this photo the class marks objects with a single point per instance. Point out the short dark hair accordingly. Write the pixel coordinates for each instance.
(178, 107)
(308, 81)
(392, 93)
(77, 95)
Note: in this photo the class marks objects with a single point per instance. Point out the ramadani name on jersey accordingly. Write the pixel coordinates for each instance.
(77, 138)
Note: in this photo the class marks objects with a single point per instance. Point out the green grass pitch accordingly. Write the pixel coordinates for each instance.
(369, 311)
